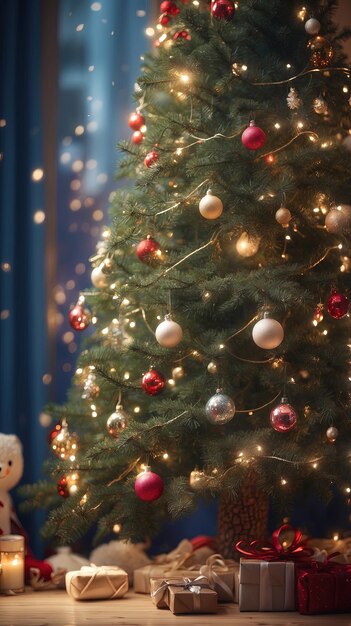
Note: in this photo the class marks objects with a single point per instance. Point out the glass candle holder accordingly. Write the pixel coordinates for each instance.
(11, 563)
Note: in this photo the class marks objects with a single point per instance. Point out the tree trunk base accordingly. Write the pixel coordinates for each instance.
(243, 518)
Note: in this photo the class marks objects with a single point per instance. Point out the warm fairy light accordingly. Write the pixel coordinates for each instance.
(345, 89)
(325, 332)
(179, 151)
(125, 301)
(312, 138)
(300, 125)
(340, 246)
(301, 14)
(83, 499)
(132, 325)
(94, 319)
(283, 482)
(117, 528)
(163, 37)
(250, 413)
(288, 66)
(37, 174)
(6, 267)
(165, 456)
(149, 32)
(104, 331)
(206, 295)
(126, 376)
(171, 382)
(137, 409)
(259, 448)
(79, 28)
(39, 217)
(79, 130)
(79, 371)
(93, 407)
(315, 465)
(277, 125)
(221, 346)
(185, 78)
(196, 3)
(244, 68)
(348, 490)
(106, 233)
(336, 537)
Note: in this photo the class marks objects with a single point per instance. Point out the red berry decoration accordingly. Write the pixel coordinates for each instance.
(182, 34)
(62, 487)
(223, 9)
(169, 7)
(136, 121)
(79, 318)
(148, 486)
(337, 305)
(147, 250)
(151, 158)
(253, 138)
(137, 137)
(283, 417)
(153, 382)
(165, 19)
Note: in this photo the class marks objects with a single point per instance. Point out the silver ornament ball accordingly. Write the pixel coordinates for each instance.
(117, 422)
(320, 106)
(212, 367)
(336, 221)
(332, 434)
(168, 333)
(220, 408)
(312, 26)
(268, 333)
(210, 206)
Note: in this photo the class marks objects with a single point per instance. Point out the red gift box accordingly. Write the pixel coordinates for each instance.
(323, 588)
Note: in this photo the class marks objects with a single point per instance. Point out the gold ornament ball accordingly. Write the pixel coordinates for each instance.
(283, 216)
(177, 372)
(332, 434)
(65, 444)
(320, 106)
(336, 221)
(197, 479)
(117, 422)
(210, 206)
(107, 266)
(212, 367)
(322, 51)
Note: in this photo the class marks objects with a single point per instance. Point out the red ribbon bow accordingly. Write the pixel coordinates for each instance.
(274, 550)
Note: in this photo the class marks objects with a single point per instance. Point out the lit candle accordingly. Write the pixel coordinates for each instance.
(11, 563)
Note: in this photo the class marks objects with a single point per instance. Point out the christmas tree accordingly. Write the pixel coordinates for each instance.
(219, 365)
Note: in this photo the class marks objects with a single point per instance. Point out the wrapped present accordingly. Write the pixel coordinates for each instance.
(267, 574)
(179, 568)
(184, 595)
(97, 583)
(323, 588)
(266, 585)
(223, 577)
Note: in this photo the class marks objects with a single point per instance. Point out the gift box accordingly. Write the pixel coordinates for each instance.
(266, 585)
(178, 568)
(184, 595)
(323, 588)
(97, 583)
(223, 577)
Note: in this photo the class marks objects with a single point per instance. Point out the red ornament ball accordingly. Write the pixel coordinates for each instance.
(137, 137)
(62, 487)
(148, 486)
(169, 7)
(283, 417)
(223, 9)
(153, 382)
(337, 305)
(151, 158)
(79, 318)
(136, 121)
(165, 19)
(147, 250)
(253, 138)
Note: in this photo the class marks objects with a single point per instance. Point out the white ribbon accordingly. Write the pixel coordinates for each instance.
(266, 587)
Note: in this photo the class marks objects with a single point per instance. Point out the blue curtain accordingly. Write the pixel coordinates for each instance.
(22, 280)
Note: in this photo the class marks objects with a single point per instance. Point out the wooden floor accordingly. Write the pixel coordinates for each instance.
(56, 608)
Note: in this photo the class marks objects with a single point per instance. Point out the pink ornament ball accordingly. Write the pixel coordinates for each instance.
(148, 486)
(337, 305)
(283, 417)
(253, 138)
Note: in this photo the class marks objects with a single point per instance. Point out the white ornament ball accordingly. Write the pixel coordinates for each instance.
(268, 333)
(283, 216)
(168, 334)
(98, 278)
(312, 26)
(210, 206)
